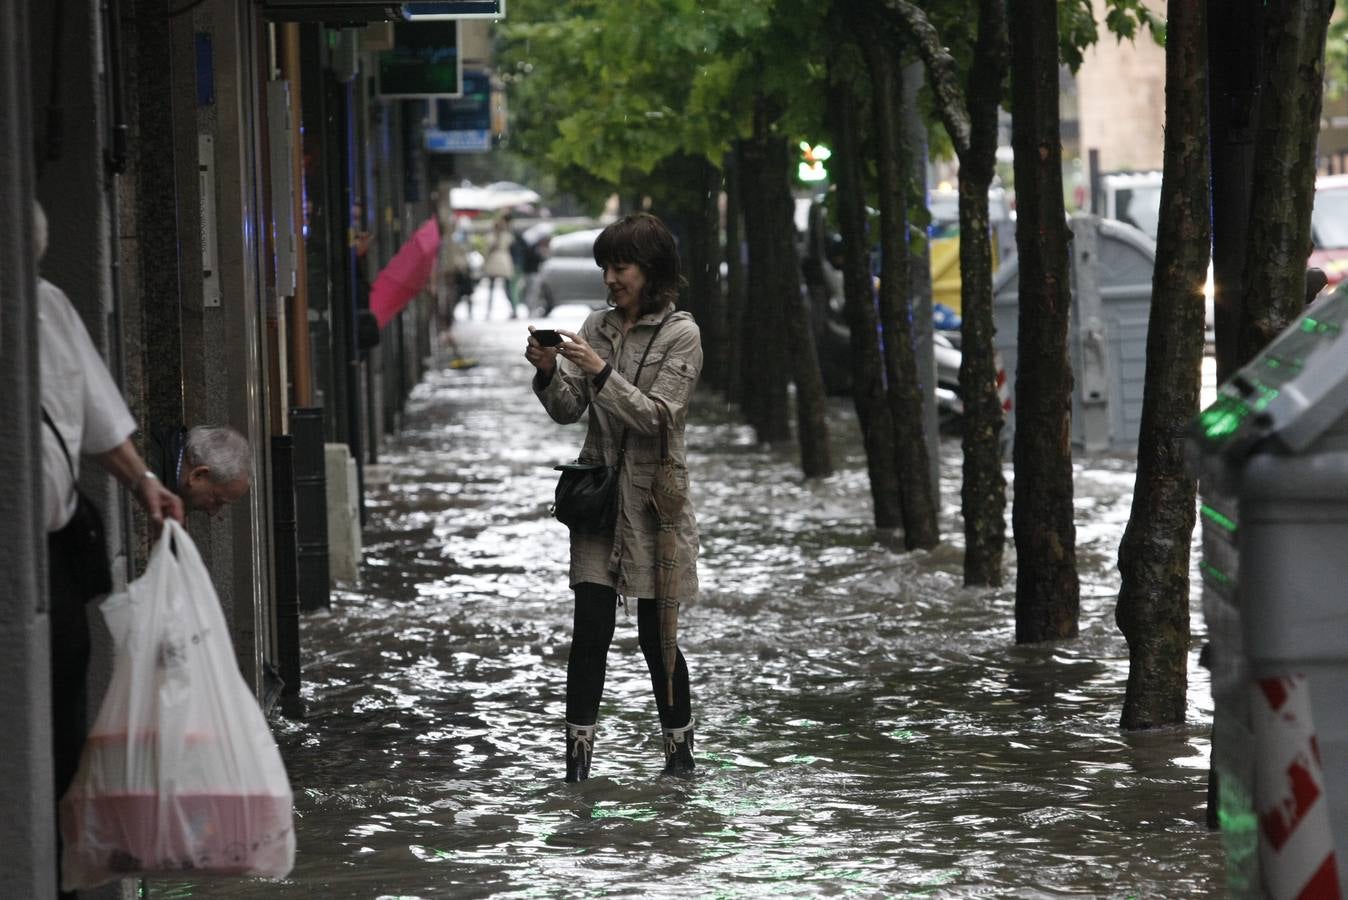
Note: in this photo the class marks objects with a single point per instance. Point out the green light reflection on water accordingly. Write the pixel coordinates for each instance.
(722, 761)
(429, 854)
(604, 810)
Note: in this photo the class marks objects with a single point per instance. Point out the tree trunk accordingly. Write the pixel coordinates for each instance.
(1279, 238)
(904, 387)
(705, 280)
(683, 183)
(1047, 586)
(785, 291)
(778, 302)
(1153, 610)
(762, 333)
(736, 289)
(1234, 67)
(868, 375)
(970, 118)
(983, 494)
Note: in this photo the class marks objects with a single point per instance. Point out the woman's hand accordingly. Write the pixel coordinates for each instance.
(544, 359)
(580, 353)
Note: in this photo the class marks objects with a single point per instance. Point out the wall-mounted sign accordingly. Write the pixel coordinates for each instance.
(463, 124)
(463, 141)
(424, 61)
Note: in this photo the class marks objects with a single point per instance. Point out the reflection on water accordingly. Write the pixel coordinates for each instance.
(866, 726)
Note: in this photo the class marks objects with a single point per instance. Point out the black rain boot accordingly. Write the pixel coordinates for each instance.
(579, 747)
(679, 750)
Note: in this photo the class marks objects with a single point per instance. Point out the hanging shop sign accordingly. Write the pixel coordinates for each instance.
(423, 63)
(427, 10)
(337, 13)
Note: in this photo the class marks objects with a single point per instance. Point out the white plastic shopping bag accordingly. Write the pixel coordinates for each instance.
(180, 772)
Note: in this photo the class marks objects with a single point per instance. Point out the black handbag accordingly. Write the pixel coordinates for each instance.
(586, 498)
(81, 545)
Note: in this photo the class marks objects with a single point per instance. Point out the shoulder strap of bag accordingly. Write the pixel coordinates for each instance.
(60, 440)
(636, 379)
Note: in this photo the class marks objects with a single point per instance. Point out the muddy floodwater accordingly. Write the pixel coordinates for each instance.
(865, 725)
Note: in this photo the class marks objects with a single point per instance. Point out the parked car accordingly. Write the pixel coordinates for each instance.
(821, 262)
(568, 275)
(1329, 227)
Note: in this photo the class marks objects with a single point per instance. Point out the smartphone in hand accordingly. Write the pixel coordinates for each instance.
(546, 337)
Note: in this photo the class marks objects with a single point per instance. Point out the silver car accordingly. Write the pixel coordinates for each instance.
(568, 275)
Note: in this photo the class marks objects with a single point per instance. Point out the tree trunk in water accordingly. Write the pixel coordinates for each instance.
(868, 375)
(1279, 238)
(904, 386)
(763, 333)
(921, 314)
(970, 118)
(1047, 585)
(785, 291)
(1153, 610)
(736, 290)
(983, 494)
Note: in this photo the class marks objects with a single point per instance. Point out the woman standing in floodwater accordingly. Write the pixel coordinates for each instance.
(623, 366)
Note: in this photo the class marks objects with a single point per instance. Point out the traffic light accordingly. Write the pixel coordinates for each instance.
(812, 158)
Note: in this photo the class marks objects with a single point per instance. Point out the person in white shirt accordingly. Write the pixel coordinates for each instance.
(83, 414)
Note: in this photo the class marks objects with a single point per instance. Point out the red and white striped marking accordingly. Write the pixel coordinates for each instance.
(1296, 844)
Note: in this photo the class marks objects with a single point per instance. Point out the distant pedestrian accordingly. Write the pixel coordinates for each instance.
(601, 372)
(499, 265)
(454, 283)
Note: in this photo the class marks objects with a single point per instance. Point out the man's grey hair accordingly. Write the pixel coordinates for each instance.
(219, 448)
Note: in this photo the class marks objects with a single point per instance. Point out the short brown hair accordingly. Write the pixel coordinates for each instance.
(642, 239)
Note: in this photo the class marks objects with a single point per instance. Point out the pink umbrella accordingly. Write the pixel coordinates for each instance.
(406, 273)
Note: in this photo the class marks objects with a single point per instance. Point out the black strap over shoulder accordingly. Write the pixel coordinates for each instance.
(649, 344)
(60, 440)
(636, 379)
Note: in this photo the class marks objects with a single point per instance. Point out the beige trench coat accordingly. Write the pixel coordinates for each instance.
(627, 562)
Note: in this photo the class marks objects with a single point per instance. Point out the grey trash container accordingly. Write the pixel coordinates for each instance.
(1111, 272)
(1272, 451)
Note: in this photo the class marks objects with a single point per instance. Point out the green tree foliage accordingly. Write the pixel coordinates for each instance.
(602, 92)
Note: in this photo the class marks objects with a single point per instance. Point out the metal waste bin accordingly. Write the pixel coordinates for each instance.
(1272, 451)
(1107, 331)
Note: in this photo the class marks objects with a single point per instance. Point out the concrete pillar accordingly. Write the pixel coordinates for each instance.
(26, 828)
(231, 362)
(344, 537)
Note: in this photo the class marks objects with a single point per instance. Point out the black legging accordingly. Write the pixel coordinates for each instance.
(596, 613)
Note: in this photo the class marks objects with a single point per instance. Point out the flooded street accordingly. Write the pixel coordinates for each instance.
(866, 726)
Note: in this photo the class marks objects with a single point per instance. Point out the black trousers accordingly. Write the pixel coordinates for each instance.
(596, 616)
(69, 625)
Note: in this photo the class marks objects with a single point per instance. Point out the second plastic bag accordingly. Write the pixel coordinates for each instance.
(180, 772)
